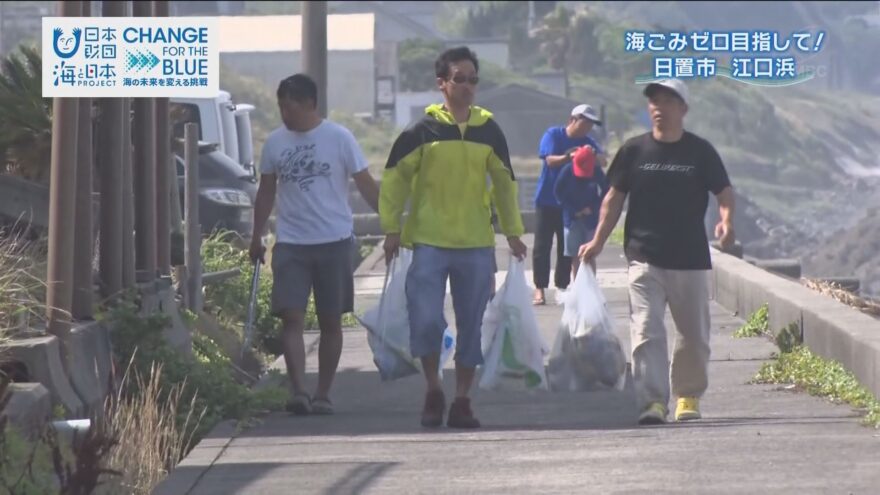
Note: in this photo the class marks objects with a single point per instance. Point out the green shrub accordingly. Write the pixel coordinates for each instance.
(822, 378)
(229, 299)
(25, 465)
(757, 325)
(138, 339)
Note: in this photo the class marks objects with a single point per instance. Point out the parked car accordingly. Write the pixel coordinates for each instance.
(220, 121)
(227, 192)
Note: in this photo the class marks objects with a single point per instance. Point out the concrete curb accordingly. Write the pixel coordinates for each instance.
(199, 460)
(42, 357)
(831, 329)
(29, 407)
(89, 370)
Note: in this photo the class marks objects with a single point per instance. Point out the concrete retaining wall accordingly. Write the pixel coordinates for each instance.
(831, 329)
(367, 224)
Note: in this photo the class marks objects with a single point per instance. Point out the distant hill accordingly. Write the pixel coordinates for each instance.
(854, 251)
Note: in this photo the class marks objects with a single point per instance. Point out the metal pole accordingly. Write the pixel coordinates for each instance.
(193, 242)
(314, 48)
(83, 243)
(145, 175)
(163, 156)
(62, 200)
(110, 165)
(128, 258)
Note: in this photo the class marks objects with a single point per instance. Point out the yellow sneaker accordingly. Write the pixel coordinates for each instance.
(654, 414)
(687, 408)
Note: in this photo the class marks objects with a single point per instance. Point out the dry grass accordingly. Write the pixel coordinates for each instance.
(22, 290)
(152, 439)
(842, 295)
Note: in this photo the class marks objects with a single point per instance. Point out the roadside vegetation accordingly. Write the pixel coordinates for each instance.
(797, 366)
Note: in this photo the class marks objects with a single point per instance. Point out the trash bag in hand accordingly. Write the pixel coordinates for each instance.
(513, 349)
(388, 330)
(586, 354)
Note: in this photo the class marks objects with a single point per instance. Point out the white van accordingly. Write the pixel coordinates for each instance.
(220, 121)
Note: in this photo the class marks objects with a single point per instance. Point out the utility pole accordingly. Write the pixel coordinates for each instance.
(163, 158)
(83, 244)
(62, 201)
(314, 48)
(145, 175)
(110, 164)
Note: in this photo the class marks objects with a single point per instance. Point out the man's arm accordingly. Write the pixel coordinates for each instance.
(609, 214)
(505, 194)
(368, 188)
(547, 151)
(724, 229)
(403, 164)
(264, 203)
(262, 209)
(395, 190)
(555, 161)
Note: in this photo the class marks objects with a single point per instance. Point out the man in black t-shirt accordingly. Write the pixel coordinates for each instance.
(668, 174)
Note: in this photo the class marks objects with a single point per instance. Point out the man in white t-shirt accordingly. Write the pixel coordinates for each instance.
(306, 164)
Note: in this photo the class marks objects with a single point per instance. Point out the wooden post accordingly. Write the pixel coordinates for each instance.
(83, 234)
(110, 167)
(193, 243)
(128, 258)
(163, 156)
(83, 249)
(62, 201)
(145, 175)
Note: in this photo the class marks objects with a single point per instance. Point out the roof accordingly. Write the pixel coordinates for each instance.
(392, 11)
(522, 97)
(283, 33)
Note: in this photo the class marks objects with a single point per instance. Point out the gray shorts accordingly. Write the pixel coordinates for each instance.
(576, 235)
(325, 268)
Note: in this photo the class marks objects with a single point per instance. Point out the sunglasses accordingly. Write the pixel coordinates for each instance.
(460, 79)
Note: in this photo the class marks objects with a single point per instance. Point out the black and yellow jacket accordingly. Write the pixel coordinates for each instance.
(444, 175)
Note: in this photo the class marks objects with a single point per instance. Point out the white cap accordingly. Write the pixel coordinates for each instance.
(587, 112)
(675, 85)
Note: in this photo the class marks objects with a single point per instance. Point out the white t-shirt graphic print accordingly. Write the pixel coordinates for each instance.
(313, 170)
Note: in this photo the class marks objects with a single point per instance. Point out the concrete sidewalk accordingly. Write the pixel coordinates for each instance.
(753, 438)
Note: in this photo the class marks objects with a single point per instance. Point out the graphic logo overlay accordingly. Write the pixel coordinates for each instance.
(141, 57)
(759, 58)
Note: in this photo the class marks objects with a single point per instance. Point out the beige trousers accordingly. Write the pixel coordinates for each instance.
(687, 294)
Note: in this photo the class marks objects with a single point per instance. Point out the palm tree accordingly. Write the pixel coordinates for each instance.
(555, 34)
(25, 116)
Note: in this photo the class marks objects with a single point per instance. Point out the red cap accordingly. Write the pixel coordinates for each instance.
(584, 160)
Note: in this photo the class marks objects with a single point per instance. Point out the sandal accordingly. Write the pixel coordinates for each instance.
(300, 404)
(322, 406)
(539, 300)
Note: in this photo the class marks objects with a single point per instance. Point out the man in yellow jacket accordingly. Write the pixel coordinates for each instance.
(440, 164)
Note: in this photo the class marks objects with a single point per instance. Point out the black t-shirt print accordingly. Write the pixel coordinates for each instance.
(668, 186)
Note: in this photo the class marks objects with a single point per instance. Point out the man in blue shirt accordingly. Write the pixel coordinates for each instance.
(555, 151)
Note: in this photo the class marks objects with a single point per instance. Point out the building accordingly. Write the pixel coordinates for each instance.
(269, 48)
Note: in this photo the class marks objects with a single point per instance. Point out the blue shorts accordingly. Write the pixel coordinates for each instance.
(575, 235)
(470, 272)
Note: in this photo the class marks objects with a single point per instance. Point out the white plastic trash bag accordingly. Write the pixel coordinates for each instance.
(388, 330)
(512, 346)
(586, 354)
